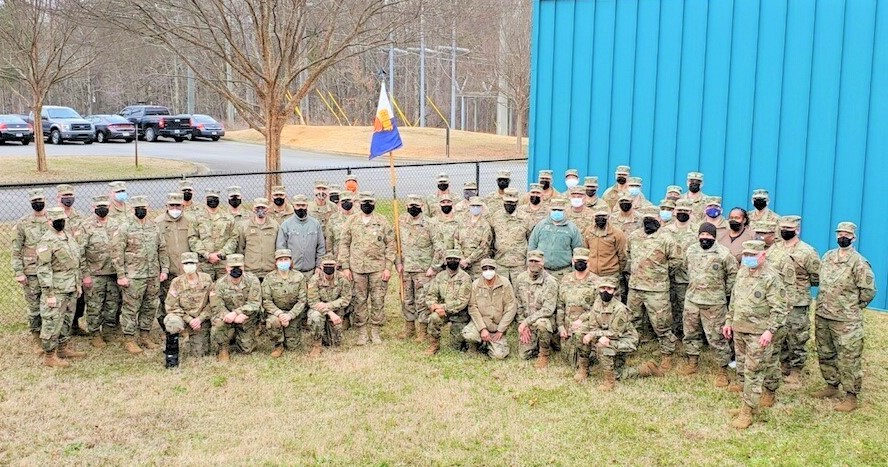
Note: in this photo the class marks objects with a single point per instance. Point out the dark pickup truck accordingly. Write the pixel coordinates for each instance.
(153, 121)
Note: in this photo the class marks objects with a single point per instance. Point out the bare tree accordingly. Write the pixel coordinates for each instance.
(513, 62)
(43, 46)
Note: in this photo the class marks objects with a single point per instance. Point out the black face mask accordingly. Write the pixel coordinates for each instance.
(760, 203)
(787, 234)
(446, 208)
(605, 296)
(683, 216)
(347, 205)
(706, 243)
(443, 186)
(213, 203)
(580, 266)
(414, 210)
(236, 272)
(58, 225)
(844, 242)
(535, 200)
(68, 201)
(621, 180)
(453, 265)
(234, 202)
(367, 208)
(651, 226)
(502, 183)
(600, 222)
(334, 198)
(278, 201)
(545, 184)
(301, 212)
(510, 207)
(140, 212)
(735, 225)
(590, 192)
(329, 270)
(38, 206)
(101, 211)
(625, 206)
(694, 187)
(187, 195)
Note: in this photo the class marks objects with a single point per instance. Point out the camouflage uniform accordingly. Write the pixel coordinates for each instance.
(697, 200)
(583, 218)
(245, 298)
(595, 202)
(188, 206)
(536, 299)
(322, 212)
(28, 232)
(119, 212)
(175, 234)
(417, 253)
(494, 200)
(547, 194)
(285, 293)
(639, 201)
(614, 321)
(765, 214)
(475, 239)
(212, 233)
(491, 307)
(58, 268)
(510, 232)
(684, 237)
(187, 300)
(470, 190)
(333, 233)
(612, 194)
(432, 206)
(257, 241)
(235, 213)
(334, 291)
(444, 235)
(534, 214)
(711, 274)
(282, 212)
(575, 297)
(103, 296)
(452, 289)
(628, 222)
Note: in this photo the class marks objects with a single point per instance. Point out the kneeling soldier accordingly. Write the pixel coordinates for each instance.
(188, 308)
(536, 292)
(492, 308)
(447, 298)
(235, 303)
(329, 296)
(284, 299)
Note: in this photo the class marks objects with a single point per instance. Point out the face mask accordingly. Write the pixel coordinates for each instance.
(665, 215)
(446, 208)
(510, 207)
(535, 200)
(261, 213)
(234, 202)
(174, 213)
(367, 208)
(605, 296)
(751, 262)
(758, 236)
(787, 234)
(301, 212)
(58, 225)
(600, 222)
(443, 186)
(545, 184)
(101, 211)
(236, 272)
(760, 203)
(475, 210)
(67, 201)
(621, 180)
(321, 195)
(576, 202)
(694, 187)
(469, 193)
(502, 183)
(283, 265)
(580, 266)
(735, 225)
(334, 198)
(706, 243)
(187, 195)
(634, 191)
(625, 206)
(140, 212)
(414, 210)
(590, 192)
(121, 196)
(38, 206)
(213, 203)
(557, 216)
(347, 205)
(488, 274)
(713, 212)
(651, 226)
(683, 217)
(278, 201)
(329, 270)
(571, 182)
(189, 268)
(453, 265)
(844, 242)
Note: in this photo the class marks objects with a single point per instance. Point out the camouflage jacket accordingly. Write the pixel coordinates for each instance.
(612, 320)
(244, 297)
(444, 237)
(175, 234)
(535, 298)
(322, 213)
(650, 259)
(367, 248)
(697, 204)
(335, 292)
(75, 225)
(782, 263)
(97, 247)
(280, 214)
(510, 235)
(28, 232)
(139, 250)
(532, 217)
(627, 224)
(189, 300)
(213, 233)
(758, 301)
(58, 264)
(333, 232)
(582, 219)
(807, 270)
(764, 215)
(285, 294)
(575, 297)
(684, 237)
(847, 286)
(451, 290)
(711, 274)
(474, 239)
(417, 247)
(612, 194)
(491, 307)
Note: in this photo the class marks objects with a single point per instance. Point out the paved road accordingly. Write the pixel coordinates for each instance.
(230, 157)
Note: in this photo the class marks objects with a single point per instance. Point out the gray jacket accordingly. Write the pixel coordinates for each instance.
(305, 239)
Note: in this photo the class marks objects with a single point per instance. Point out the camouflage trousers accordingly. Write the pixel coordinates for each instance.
(414, 307)
(773, 371)
(839, 352)
(509, 272)
(32, 300)
(244, 335)
(140, 303)
(196, 342)
(655, 308)
(369, 298)
(289, 336)
(752, 366)
(541, 332)
(457, 323)
(794, 353)
(55, 322)
(677, 292)
(495, 350)
(214, 270)
(102, 300)
(614, 360)
(706, 320)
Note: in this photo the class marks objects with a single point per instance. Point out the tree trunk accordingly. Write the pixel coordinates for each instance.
(38, 137)
(274, 126)
(519, 129)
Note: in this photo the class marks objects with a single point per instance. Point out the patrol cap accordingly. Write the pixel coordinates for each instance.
(764, 226)
(56, 214)
(186, 184)
(623, 170)
(117, 186)
(260, 203)
(189, 257)
(605, 281)
(175, 198)
(601, 211)
(625, 197)
(667, 203)
(279, 190)
(65, 189)
(633, 181)
(454, 253)
(488, 263)
(211, 193)
(351, 178)
(335, 189)
(233, 191)
(443, 178)
(590, 181)
(475, 201)
(558, 204)
(849, 227)
(470, 186)
(101, 200)
(300, 199)
(346, 195)
(367, 196)
(684, 205)
(753, 247)
(322, 185)
(503, 174)
(673, 189)
(139, 201)
(536, 188)
(790, 222)
(328, 259)
(234, 260)
(713, 201)
(581, 253)
(760, 193)
(537, 255)
(414, 200)
(35, 194)
(695, 176)
(445, 197)
(510, 194)
(545, 174)
(577, 190)
(282, 253)
(650, 212)
(571, 173)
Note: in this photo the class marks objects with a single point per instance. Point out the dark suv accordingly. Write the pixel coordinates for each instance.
(153, 121)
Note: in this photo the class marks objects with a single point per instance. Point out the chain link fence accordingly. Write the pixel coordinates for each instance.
(417, 179)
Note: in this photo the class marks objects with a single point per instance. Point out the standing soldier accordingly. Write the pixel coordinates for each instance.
(590, 189)
(28, 232)
(58, 272)
(576, 294)
(847, 286)
(335, 196)
(330, 296)
(303, 236)
(636, 195)
(99, 279)
(684, 234)
(579, 213)
(235, 199)
(415, 266)
(474, 238)
(186, 186)
(187, 306)
(536, 294)
(446, 228)
(447, 298)
(234, 304)
(257, 240)
(761, 211)
(534, 211)
(367, 256)
(549, 193)
(673, 193)
(119, 210)
(492, 309)
(667, 211)
(333, 235)
(281, 209)
(494, 200)
(320, 208)
(607, 246)
(712, 213)
(141, 262)
(711, 270)
(510, 232)
(626, 218)
(470, 190)
(74, 227)
(556, 237)
(212, 236)
(612, 195)
(571, 178)
(433, 201)
(351, 184)
(173, 225)
(696, 197)
(284, 300)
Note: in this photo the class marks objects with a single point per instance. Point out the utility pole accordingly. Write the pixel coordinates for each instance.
(422, 83)
(453, 67)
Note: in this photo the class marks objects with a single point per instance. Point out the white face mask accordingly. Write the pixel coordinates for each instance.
(174, 213)
(571, 182)
(576, 202)
(488, 274)
(189, 268)
(475, 210)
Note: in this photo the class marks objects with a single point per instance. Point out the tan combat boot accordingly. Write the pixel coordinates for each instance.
(375, 335)
(51, 359)
(434, 346)
(721, 378)
(98, 341)
(649, 368)
(38, 343)
(542, 360)
(145, 340)
(692, 366)
(409, 330)
(421, 335)
(582, 373)
(277, 351)
(828, 391)
(131, 346)
(666, 363)
(66, 350)
(743, 419)
(610, 380)
(224, 355)
(315, 349)
(768, 398)
(363, 336)
(849, 404)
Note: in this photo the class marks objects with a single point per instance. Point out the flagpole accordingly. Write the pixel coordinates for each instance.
(397, 222)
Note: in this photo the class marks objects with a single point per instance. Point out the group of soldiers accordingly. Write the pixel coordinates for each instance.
(590, 276)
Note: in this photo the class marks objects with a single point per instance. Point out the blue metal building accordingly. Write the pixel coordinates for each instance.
(786, 95)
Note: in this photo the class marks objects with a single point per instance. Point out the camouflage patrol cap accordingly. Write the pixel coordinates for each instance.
(117, 186)
(590, 181)
(545, 174)
(684, 205)
(234, 260)
(475, 201)
(650, 212)
(601, 211)
(188, 257)
(764, 226)
(695, 176)
(673, 189)
(175, 198)
(760, 193)
(65, 189)
(558, 204)
(537, 255)
(260, 203)
(101, 200)
(351, 178)
(367, 196)
(623, 170)
(503, 174)
(335, 189)
(753, 247)
(282, 253)
(536, 188)
(35, 194)
(577, 190)
(790, 222)
(454, 253)
(667, 203)
(510, 194)
(633, 181)
(211, 193)
(443, 178)
(581, 253)
(445, 197)
(713, 201)
(346, 195)
(846, 226)
(328, 259)
(625, 196)
(605, 281)
(300, 199)
(322, 185)
(186, 184)
(414, 200)
(470, 186)
(571, 173)
(139, 202)
(233, 191)
(278, 190)
(488, 263)
(56, 214)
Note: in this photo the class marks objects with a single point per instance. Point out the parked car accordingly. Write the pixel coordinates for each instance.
(205, 126)
(153, 121)
(60, 124)
(110, 127)
(14, 128)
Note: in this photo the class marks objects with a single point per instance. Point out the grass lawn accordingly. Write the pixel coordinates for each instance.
(23, 170)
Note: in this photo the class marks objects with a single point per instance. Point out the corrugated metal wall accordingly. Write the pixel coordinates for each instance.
(787, 95)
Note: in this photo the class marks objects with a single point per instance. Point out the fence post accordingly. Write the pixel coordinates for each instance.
(478, 176)
(348, 170)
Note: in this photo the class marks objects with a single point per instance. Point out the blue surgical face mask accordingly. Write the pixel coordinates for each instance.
(751, 262)
(475, 210)
(665, 215)
(557, 216)
(713, 212)
(121, 196)
(634, 191)
(283, 265)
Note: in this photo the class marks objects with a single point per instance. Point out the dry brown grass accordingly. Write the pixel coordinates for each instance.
(22, 170)
(419, 143)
